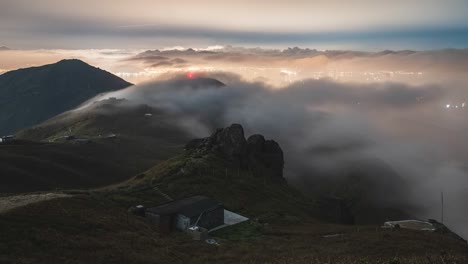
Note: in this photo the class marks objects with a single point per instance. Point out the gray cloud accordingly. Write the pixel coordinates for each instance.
(162, 64)
(446, 61)
(34, 25)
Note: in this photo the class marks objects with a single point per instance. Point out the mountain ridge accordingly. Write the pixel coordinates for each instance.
(32, 95)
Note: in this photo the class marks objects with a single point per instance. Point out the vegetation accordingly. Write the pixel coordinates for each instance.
(94, 229)
(248, 192)
(27, 166)
(58, 163)
(94, 226)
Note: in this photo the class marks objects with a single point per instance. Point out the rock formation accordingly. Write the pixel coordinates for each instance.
(254, 154)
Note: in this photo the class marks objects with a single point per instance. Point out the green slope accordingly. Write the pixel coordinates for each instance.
(251, 193)
(140, 142)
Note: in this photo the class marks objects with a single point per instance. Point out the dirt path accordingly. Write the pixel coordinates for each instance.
(11, 202)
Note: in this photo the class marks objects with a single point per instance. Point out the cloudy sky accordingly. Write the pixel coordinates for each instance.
(330, 24)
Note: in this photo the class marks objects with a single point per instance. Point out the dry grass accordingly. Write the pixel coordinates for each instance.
(10, 202)
(94, 229)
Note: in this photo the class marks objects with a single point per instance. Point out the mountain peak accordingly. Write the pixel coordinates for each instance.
(72, 61)
(198, 82)
(40, 93)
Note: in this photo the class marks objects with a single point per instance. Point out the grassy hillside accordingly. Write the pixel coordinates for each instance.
(95, 227)
(27, 166)
(111, 116)
(247, 192)
(140, 142)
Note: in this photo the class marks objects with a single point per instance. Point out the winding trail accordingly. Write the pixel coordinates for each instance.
(10, 202)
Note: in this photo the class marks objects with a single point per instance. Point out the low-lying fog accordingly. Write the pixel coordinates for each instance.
(414, 135)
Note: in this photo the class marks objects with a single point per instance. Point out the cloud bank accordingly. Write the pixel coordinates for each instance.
(363, 24)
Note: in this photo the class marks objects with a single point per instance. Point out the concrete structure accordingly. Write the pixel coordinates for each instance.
(182, 214)
(230, 218)
(198, 233)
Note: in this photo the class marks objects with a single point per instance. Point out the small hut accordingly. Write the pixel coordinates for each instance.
(182, 214)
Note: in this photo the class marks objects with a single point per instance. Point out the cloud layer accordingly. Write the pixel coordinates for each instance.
(364, 24)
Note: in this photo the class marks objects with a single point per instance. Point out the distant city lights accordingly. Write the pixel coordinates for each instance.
(288, 72)
(455, 106)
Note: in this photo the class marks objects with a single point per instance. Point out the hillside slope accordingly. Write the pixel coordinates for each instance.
(244, 174)
(32, 95)
(28, 166)
(94, 226)
(110, 142)
(93, 229)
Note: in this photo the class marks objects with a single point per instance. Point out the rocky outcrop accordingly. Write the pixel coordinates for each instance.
(265, 152)
(255, 153)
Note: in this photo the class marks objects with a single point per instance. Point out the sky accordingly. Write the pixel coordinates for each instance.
(360, 25)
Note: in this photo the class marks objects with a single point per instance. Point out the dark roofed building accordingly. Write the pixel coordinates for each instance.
(182, 214)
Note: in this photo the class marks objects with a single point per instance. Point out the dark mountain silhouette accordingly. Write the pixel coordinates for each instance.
(4, 48)
(197, 83)
(32, 95)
